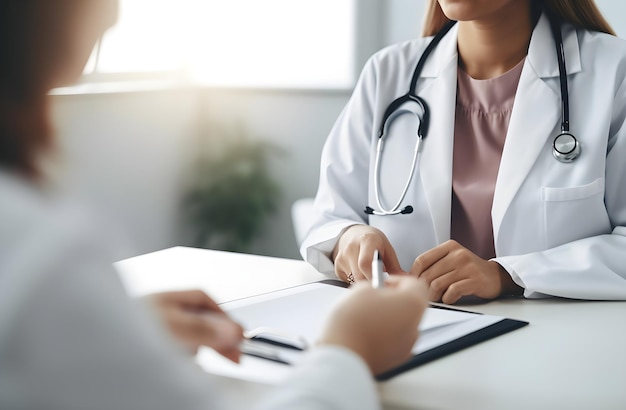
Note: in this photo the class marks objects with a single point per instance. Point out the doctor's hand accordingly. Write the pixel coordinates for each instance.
(195, 320)
(354, 252)
(380, 325)
(452, 271)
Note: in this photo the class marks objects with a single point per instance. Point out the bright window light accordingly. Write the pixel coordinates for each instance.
(265, 43)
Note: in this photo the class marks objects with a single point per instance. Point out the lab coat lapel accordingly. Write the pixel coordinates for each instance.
(535, 116)
(436, 155)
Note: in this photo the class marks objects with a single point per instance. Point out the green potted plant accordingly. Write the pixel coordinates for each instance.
(232, 193)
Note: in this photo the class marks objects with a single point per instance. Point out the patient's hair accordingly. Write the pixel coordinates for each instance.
(581, 13)
(24, 129)
(43, 44)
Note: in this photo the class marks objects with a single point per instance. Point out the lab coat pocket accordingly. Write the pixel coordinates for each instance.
(574, 213)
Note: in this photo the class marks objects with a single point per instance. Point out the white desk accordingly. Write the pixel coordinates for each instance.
(571, 356)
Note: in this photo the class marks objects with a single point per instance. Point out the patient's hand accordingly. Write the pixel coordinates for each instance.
(380, 325)
(196, 320)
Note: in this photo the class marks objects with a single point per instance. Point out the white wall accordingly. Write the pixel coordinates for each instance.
(403, 20)
(614, 11)
(127, 153)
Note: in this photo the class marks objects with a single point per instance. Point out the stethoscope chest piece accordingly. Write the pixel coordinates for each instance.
(566, 147)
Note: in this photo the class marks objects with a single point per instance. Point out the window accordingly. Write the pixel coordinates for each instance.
(264, 43)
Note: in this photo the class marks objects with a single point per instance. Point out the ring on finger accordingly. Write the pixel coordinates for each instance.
(350, 278)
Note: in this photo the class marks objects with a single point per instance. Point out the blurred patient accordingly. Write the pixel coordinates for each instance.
(70, 338)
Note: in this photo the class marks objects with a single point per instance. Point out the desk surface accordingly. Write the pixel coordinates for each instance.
(571, 356)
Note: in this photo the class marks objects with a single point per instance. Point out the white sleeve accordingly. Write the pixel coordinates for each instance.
(591, 268)
(330, 377)
(78, 342)
(344, 171)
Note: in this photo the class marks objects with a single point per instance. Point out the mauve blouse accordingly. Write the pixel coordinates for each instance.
(483, 110)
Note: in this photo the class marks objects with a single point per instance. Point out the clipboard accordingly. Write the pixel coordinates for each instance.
(301, 311)
(501, 327)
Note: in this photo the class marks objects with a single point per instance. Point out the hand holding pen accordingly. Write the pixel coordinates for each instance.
(195, 320)
(380, 325)
(353, 252)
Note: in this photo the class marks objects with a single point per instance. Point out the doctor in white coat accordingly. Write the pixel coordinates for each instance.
(558, 225)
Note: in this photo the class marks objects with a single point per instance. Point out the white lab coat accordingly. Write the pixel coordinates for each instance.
(70, 338)
(559, 229)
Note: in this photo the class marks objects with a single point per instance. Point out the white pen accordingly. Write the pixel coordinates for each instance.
(378, 277)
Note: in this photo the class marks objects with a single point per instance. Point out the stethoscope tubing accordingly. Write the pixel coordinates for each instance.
(379, 150)
(560, 54)
(394, 110)
(391, 113)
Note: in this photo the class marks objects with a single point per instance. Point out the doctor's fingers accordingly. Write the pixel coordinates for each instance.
(355, 249)
(378, 242)
(452, 287)
(347, 271)
(432, 256)
(390, 260)
(351, 267)
(457, 290)
(342, 261)
(386, 253)
(480, 278)
(457, 264)
(361, 238)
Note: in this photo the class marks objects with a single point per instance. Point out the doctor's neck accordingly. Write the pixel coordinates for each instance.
(493, 43)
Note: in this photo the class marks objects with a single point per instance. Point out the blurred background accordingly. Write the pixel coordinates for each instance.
(201, 122)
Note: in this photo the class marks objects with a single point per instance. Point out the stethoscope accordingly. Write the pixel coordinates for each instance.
(565, 147)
